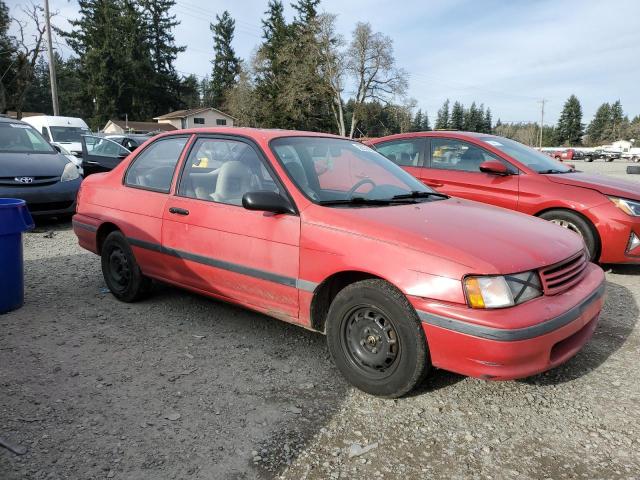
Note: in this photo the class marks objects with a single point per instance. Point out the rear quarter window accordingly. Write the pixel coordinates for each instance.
(153, 168)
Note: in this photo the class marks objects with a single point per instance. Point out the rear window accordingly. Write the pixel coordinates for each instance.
(19, 137)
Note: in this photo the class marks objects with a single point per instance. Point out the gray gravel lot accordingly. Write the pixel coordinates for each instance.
(180, 386)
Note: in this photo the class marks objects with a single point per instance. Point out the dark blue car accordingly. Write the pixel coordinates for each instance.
(33, 170)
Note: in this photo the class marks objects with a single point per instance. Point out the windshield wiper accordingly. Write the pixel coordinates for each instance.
(419, 194)
(355, 201)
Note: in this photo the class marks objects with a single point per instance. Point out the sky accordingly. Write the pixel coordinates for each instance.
(508, 55)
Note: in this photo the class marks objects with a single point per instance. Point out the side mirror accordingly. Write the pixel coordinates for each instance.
(57, 148)
(494, 167)
(267, 201)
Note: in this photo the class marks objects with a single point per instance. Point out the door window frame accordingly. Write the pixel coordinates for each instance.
(422, 158)
(141, 152)
(236, 138)
(513, 170)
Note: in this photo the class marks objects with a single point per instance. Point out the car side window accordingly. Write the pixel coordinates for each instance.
(405, 153)
(45, 134)
(153, 168)
(452, 154)
(221, 170)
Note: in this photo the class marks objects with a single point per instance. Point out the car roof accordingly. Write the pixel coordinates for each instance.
(265, 134)
(5, 119)
(431, 133)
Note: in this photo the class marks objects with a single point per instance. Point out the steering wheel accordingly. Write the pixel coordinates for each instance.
(362, 182)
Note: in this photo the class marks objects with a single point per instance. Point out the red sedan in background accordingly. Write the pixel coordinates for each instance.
(326, 233)
(603, 210)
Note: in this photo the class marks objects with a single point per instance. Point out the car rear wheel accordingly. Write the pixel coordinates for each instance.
(574, 222)
(376, 339)
(121, 271)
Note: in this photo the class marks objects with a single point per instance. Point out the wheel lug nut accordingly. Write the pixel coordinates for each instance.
(375, 350)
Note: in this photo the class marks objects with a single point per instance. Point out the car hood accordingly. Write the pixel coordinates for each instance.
(32, 164)
(601, 183)
(482, 238)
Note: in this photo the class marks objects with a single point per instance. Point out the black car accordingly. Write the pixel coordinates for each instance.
(101, 153)
(130, 141)
(33, 170)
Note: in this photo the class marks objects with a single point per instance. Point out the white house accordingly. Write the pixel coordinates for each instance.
(197, 117)
(120, 127)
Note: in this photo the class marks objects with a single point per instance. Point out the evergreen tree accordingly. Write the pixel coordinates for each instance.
(416, 125)
(457, 116)
(159, 24)
(111, 40)
(570, 128)
(599, 126)
(425, 123)
(471, 116)
(442, 120)
(226, 65)
(189, 93)
(7, 52)
(271, 67)
(617, 123)
(487, 127)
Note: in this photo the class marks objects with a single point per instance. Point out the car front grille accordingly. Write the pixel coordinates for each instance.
(564, 275)
(28, 181)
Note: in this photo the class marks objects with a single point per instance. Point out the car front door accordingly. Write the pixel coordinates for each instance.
(101, 154)
(409, 153)
(215, 245)
(453, 168)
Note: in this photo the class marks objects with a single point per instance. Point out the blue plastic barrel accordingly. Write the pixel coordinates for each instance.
(14, 219)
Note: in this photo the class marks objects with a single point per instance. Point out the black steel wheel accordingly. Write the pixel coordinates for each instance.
(121, 271)
(376, 339)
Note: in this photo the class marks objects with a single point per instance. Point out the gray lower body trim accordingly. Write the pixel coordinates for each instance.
(224, 265)
(84, 226)
(512, 335)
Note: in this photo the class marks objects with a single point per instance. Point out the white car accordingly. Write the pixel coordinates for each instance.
(64, 131)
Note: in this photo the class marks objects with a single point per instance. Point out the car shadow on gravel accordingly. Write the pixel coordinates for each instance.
(48, 224)
(617, 320)
(623, 269)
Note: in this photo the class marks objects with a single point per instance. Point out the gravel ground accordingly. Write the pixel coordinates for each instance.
(183, 387)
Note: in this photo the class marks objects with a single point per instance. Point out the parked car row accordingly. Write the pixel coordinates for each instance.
(389, 248)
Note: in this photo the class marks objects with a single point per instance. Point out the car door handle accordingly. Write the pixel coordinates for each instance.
(178, 211)
(433, 184)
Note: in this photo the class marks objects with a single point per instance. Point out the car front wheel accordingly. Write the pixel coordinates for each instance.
(121, 271)
(574, 222)
(376, 339)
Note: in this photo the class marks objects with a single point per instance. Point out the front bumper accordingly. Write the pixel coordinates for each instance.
(541, 334)
(615, 228)
(56, 199)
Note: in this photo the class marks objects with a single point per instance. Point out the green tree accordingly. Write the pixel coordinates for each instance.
(570, 128)
(417, 123)
(473, 118)
(617, 125)
(598, 129)
(457, 116)
(487, 127)
(189, 92)
(159, 25)
(425, 123)
(226, 65)
(442, 120)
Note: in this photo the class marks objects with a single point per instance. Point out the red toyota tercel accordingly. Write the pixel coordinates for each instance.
(326, 233)
(604, 211)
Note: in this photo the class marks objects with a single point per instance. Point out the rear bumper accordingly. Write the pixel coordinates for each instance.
(56, 199)
(484, 348)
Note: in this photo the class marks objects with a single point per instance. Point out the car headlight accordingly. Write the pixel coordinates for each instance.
(70, 172)
(630, 207)
(499, 291)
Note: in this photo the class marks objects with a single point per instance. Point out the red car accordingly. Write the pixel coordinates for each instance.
(326, 233)
(603, 210)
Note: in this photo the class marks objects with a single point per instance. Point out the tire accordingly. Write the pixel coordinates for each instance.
(376, 339)
(576, 223)
(121, 271)
(588, 159)
(609, 159)
(633, 169)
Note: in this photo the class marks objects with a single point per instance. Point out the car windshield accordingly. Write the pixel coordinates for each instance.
(533, 159)
(336, 171)
(19, 137)
(68, 134)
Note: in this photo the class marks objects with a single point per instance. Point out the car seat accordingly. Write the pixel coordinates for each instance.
(234, 180)
(470, 160)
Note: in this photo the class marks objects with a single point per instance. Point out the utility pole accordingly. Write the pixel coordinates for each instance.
(52, 65)
(541, 102)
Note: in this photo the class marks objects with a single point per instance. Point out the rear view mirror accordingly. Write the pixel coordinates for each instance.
(267, 201)
(493, 167)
